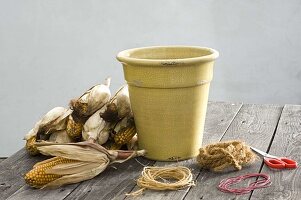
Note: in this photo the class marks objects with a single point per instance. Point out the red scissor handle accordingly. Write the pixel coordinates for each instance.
(280, 163)
(289, 163)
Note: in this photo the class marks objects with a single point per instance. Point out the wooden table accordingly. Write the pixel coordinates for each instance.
(271, 128)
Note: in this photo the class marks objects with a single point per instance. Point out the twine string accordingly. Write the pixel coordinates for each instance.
(225, 184)
(223, 156)
(164, 178)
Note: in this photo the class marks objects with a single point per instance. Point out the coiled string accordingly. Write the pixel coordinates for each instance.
(164, 178)
(225, 184)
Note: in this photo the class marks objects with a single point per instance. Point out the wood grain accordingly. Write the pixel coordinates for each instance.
(100, 182)
(218, 119)
(12, 171)
(255, 124)
(112, 183)
(116, 188)
(287, 142)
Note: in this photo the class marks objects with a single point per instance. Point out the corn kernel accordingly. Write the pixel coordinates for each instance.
(37, 177)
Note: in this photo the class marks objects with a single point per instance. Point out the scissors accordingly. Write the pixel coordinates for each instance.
(276, 162)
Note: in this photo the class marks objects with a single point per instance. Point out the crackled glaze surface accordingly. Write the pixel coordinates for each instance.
(169, 89)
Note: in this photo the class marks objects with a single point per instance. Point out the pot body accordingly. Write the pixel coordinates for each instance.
(168, 88)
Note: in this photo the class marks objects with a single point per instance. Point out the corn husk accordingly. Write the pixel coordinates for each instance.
(52, 121)
(111, 113)
(60, 137)
(31, 138)
(90, 159)
(121, 127)
(133, 144)
(119, 106)
(123, 102)
(94, 125)
(92, 100)
(125, 122)
(104, 134)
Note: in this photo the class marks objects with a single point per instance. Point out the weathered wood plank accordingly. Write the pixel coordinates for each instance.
(218, 119)
(116, 188)
(112, 182)
(287, 142)
(255, 124)
(103, 180)
(26, 192)
(12, 170)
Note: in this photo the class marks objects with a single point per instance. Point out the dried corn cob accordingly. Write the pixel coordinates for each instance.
(74, 127)
(92, 100)
(38, 176)
(73, 163)
(125, 135)
(31, 147)
(111, 145)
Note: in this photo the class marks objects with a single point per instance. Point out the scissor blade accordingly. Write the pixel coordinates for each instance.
(263, 153)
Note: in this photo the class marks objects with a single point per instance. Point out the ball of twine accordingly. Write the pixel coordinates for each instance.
(164, 178)
(227, 155)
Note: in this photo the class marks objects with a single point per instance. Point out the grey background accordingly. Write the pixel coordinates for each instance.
(52, 51)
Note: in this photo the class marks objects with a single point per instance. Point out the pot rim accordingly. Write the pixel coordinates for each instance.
(125, 56)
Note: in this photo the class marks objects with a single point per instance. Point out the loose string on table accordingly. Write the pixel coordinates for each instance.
(164, 178)
(262, 182)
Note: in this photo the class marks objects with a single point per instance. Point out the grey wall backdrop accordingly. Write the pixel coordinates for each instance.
(52, 51)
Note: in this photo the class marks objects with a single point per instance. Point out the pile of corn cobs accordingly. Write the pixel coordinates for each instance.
(95, 116)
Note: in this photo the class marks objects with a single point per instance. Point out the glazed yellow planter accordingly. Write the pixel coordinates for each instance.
(168, 88)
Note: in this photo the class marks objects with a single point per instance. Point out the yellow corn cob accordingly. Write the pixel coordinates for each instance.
(112, 145)
(37, 177)
(31, 147)
(74, 128)
(125, 135)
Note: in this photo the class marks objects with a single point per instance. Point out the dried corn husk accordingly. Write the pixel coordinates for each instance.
(52, 121)
(125, 122)
(31, 138)
(92, 100)
(123, 131)
(104, 134)
(94, 125)
(111, 113)
(60, 137)
(119, 106)
(88, 160)
(133, 143)
(123, 102)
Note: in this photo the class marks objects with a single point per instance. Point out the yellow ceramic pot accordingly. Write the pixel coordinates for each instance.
(168, 87)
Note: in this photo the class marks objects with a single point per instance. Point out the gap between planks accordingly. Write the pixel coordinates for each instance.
(287, 142)
(254, 124)
(269, 147)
